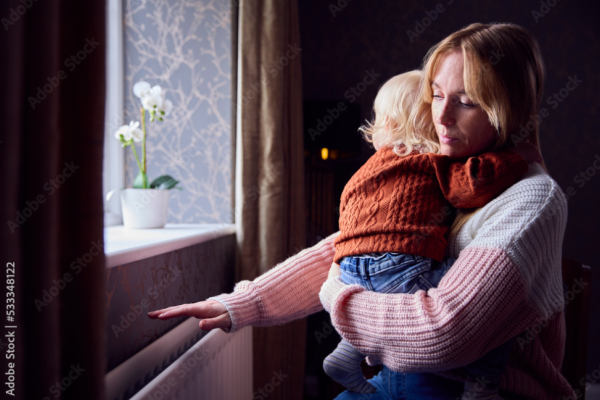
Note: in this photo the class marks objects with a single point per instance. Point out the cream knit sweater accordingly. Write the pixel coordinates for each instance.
(506, 282)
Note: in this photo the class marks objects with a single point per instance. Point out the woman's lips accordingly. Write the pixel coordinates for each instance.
(447, 140)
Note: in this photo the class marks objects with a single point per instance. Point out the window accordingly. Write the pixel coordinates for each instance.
(185, 47)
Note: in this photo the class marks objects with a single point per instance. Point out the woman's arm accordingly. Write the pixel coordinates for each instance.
(284, 293)
(506, 280)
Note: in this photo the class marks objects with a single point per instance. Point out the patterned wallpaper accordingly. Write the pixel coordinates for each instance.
(185, 47)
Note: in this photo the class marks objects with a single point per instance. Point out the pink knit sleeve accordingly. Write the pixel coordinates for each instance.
(479, 304)
(284, 293)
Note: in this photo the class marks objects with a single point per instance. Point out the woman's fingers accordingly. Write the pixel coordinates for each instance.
(222, 321)
(202, 309)
(154, 314)
(212, 313)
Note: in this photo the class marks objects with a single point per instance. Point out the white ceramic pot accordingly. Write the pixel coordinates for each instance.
(144, 208)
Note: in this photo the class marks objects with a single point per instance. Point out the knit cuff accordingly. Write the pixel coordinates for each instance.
(223, 302)
(334, 289)
(243, 305)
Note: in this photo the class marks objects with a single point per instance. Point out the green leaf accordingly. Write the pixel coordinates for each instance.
(141, 181)
(164, 182)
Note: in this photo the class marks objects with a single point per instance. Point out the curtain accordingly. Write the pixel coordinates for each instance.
(269, 174)
(53, 78)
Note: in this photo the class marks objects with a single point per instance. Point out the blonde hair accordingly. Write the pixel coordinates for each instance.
(394, 122)
(503, 73)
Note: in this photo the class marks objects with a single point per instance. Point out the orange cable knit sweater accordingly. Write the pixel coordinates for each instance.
(404, 204)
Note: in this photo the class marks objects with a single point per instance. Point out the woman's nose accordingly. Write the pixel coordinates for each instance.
(445, 114)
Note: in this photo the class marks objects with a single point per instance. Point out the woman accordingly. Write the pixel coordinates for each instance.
(507, 278)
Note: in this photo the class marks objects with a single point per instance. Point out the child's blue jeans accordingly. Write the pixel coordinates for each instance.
(406, 273)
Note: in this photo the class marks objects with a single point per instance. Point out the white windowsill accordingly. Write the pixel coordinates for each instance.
(123, 246)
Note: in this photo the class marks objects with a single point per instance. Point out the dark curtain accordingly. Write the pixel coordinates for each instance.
(53, 94)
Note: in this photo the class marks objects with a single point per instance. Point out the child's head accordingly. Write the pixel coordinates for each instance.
(396, 118)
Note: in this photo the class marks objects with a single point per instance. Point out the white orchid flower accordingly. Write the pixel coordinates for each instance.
(153, 98)
(167, 107)
(141, 89)
(130, 131)
(136, 133)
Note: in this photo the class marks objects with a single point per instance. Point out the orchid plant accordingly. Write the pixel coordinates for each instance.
(153, 102)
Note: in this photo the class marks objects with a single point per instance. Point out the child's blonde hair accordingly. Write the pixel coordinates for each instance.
(397, 119)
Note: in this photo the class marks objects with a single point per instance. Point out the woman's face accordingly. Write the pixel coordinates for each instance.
(463, 128)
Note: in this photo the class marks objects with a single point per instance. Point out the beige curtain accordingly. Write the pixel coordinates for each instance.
(270, 175)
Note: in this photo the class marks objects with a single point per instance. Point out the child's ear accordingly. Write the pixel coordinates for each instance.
(375, 145)
(387, 123)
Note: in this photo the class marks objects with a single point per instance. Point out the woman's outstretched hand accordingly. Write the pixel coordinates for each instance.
(211, 313)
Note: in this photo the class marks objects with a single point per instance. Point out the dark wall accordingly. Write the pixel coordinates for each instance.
(345, 42)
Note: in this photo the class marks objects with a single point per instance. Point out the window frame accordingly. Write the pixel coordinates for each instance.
(113, 168)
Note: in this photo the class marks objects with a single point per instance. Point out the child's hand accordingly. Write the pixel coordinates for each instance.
(528, 151)
(334, 270)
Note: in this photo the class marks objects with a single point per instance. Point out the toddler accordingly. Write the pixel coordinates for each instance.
(395, 213)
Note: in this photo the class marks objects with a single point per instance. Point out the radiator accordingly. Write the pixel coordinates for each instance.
(217, 367)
